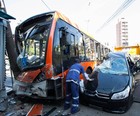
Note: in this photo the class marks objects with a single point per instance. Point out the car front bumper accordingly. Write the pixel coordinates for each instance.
(114, 106)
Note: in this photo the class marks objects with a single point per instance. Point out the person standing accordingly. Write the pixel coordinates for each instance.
(72, 86)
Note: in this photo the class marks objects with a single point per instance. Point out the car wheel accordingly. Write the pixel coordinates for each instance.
(130, 101)
(83, 100)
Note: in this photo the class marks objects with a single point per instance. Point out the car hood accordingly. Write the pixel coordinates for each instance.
(110, 83)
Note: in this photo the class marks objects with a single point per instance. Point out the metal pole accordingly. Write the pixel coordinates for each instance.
(3, 31)
(3, 94)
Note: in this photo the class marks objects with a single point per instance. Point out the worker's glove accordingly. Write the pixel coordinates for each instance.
(82, 86)
(89, 79)
(86, 75)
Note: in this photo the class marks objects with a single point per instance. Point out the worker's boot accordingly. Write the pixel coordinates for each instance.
(75, 110)
(66, 113)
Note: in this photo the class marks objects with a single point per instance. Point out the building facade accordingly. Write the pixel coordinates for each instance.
(122, 33)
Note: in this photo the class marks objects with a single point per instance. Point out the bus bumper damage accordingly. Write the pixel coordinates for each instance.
(30, 89)
(48, 89)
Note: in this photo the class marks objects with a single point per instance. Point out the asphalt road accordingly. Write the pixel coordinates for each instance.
(90, 111)
(18, 108)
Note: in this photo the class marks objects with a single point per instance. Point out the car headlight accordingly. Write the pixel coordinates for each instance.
(121, 95)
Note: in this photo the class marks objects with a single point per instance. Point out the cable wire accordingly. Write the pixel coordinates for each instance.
(46, 5)
(125, 5)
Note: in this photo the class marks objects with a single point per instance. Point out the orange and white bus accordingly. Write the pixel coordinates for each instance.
(47, 45)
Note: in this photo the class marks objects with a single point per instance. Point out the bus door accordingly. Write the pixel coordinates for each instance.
(67, 45)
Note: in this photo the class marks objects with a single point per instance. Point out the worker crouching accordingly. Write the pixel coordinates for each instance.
(72, 86)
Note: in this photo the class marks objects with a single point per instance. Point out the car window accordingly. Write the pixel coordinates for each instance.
(114, 66)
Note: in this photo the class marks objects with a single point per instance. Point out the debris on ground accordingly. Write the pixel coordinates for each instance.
(18, 106)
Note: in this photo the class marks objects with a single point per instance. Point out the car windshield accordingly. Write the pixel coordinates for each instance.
(114, 66)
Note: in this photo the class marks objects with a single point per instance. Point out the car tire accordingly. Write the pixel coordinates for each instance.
(130, 101)
(83, 100)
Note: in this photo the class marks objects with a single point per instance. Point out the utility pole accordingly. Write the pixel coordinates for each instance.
(3, 28)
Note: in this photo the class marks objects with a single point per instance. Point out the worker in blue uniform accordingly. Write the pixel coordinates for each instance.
(72, 86)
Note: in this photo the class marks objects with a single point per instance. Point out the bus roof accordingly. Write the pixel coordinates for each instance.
(60, 15)
(54, 14)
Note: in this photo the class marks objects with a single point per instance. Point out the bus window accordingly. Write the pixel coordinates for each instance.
(92, 47)
(80, 45)
(57, 52)
(64, 47)
(98, 51)
(88, 47)
(68, 52)
(65, 41)
(34, 47)
(72, 47)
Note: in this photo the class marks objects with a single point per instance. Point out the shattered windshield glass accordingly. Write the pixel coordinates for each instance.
(35, 44)
(34, 47)
(114, 66)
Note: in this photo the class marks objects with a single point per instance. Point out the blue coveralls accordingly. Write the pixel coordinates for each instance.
(72, 87)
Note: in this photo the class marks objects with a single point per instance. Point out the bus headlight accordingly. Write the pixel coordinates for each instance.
(121, 95)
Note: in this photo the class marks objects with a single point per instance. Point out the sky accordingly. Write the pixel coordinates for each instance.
(90, 15)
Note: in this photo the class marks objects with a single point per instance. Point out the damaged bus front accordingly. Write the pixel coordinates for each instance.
(33, 40)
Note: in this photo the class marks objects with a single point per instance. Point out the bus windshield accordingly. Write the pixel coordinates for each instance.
(35, 45)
